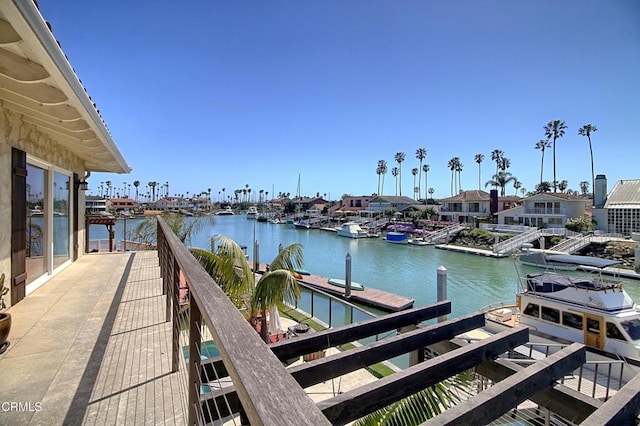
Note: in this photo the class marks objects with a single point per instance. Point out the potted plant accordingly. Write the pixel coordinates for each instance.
(5, 319)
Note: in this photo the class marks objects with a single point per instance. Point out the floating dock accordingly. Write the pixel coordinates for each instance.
(369, 296)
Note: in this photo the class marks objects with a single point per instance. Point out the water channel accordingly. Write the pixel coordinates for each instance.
(473, 281)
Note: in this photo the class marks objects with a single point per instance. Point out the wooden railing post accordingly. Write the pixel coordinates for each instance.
(195, 319)
(174, 300)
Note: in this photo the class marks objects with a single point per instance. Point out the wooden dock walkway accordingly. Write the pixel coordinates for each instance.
(369, 296)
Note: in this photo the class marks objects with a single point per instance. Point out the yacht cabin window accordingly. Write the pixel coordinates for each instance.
(593, 326)
(632, 327)
(572, 320)
(613, 332)
(532, 310)
(550, 314)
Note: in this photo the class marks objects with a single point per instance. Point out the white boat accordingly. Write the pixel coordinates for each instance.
(226, 212)
(397, 237)
(252, 213)
(557, 262)
(594, 312)
(419, 241)
(351, 230)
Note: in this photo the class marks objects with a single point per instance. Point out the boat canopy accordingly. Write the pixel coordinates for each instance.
(549, 282)
(596, 262)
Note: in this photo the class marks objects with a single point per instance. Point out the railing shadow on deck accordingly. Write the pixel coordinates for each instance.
(267, 392)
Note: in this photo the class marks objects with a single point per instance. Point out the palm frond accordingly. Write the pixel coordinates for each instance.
(421, 406)
(289, 258)
(275, 287)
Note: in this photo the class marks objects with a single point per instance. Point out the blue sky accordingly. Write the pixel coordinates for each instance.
(221, 94)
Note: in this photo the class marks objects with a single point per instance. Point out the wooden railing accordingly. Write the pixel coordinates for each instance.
(268, 393)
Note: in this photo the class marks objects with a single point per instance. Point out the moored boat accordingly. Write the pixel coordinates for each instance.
(595, 312)
(397, 237)
(351, 230)
(226, 212)
(342, 283)
(252, 213)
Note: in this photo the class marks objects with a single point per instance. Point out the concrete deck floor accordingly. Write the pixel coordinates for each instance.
(91, 347)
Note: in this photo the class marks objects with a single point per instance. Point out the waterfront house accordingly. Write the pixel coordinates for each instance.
(312, 205)
(353, 204)
(95, 205)
(544, 210)
(121, 205)
(619, 211)
(382, 203)
(52, 137)
(466, 207)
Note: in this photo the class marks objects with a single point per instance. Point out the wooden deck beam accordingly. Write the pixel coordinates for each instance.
(313, 342)
(368, 398)
(320, 370)
(622, 409)
(495, 401)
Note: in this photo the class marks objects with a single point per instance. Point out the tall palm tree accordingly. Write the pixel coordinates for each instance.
(383, 172)
(554, 129)
(451, 164)
(496, 155)
(421, 154)
(381, 169)
(136, 184)
(586, 130)
(394, 173)
(425, 169)
(542, 144)
(459, 167)
(501, 179)
(152, 185)
(399, 157)
(478, 158)
(414, 172)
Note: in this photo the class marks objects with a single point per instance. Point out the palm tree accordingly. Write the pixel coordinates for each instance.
(586, 130)
(501, 179)
(414, 172)
(479, 158)
(421, 154)
(228, 265)
(459, 167)
(425, 169)
(543, 186)
(381, 169)
(504, 163)
(136, 184)
(399, 157)
(554, 129)
(523, 190)
(496, 155)
(563, 185)
(394, 173)
(542, 144)
(516, 185)
(152, 185)
(431, 191)
(584, 187)
(451, 164)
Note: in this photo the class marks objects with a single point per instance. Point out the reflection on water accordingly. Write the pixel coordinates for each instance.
(473, 281)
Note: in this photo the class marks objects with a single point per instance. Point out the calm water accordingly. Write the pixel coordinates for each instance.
(473, 281)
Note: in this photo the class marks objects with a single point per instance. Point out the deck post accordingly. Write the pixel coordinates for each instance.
(347, 277)
(442, 288)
